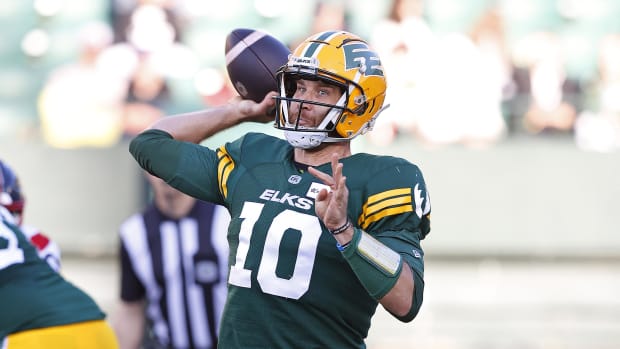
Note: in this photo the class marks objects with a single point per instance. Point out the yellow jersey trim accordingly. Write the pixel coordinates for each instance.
(224, 168)
(387, 203)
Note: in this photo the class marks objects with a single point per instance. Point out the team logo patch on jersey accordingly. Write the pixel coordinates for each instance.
(294, 179)
(417, 253)
(315, 188)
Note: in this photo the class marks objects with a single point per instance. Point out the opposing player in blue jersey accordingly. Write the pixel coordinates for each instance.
(319, 236)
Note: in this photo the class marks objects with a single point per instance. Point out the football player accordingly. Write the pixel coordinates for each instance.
(319, 236)
(12, 199)
(39, 308)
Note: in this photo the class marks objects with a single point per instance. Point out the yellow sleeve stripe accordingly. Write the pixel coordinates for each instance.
(373, 199)
(387, 203)
(224, 168)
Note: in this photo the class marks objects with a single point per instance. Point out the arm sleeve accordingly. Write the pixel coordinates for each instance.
(190, 168)
(407, 244)
(397, 213)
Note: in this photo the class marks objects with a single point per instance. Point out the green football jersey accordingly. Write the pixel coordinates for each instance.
(289, 286)
(32, 294)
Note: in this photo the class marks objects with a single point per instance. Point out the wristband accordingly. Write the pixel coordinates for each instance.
(376, 266)
(342, 228)
(343, 246)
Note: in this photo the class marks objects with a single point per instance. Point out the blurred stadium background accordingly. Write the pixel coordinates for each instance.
(525, 246)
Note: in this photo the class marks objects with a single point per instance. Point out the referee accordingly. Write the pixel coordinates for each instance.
(173, 259)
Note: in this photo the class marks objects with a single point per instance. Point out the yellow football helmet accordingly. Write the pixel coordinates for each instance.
(341, 59)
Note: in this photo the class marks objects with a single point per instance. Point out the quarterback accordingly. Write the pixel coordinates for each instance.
(319, 236)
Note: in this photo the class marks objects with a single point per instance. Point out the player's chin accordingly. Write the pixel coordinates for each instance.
(318, 148)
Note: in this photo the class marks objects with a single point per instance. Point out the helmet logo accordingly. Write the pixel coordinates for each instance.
(307, 62)
(358, 55)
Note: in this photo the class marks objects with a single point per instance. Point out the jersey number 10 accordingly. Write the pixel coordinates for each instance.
(298, 284)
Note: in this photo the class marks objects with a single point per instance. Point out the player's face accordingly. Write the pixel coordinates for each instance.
(315, 91)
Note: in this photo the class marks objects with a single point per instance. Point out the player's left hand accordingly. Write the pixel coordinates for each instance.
(331, 205)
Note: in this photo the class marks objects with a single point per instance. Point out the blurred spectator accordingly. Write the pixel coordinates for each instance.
(405, 43)
(462, 101)
(124, 21)
(598, 127)
(488, 34)
(147, 98)
(214, 86)
(328, 15)
(442, 89)
(553, 104)
(150, 57)
(150, 28)
(489, 81)
(81, 103)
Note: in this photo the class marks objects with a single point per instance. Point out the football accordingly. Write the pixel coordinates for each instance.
(252, 59)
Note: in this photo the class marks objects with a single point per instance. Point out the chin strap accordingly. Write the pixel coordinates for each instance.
(305, 140)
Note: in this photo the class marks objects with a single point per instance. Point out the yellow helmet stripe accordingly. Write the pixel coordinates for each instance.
(224, 168)
(384, 204)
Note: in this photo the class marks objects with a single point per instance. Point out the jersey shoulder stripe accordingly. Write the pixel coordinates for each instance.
(225, 165)
(387, 203)
(389, 193)
(248, 152)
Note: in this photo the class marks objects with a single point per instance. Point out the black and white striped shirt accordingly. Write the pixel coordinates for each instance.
(180, 268)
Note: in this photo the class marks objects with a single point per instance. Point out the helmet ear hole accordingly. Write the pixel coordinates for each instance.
(360, 99)
(360, 110)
